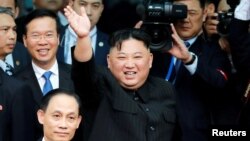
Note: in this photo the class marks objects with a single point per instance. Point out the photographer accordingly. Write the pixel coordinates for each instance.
(217, 30)
(239, 39)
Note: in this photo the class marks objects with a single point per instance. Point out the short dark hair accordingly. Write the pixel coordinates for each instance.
(40, 13)
(6, 10)
(119, 36)
(46, 99)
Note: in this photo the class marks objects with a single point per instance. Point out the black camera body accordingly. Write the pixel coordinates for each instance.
(157, 16)
(224, 22)
(225, 18)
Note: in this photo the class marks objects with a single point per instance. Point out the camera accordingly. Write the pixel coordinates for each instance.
(224, 22)
(225, 18)
(157, 16)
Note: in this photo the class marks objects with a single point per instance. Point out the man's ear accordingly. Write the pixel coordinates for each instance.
(40, 116)
(16, 12)
(79, 121)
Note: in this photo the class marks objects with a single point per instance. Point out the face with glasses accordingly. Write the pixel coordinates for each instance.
(42, 41)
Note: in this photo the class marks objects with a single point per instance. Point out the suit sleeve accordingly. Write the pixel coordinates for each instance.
(239, 39)
(23, 114)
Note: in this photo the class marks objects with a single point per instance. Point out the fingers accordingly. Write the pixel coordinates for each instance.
(138, 24)
(67, 11)
(83, 11)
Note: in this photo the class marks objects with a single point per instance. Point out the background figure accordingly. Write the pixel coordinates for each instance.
(60, 115)
(94, 9)
(227, 104)
(201, 72)
(127, 102)
(239, 39)
(16, 103)
(19, 57)
(41, 38)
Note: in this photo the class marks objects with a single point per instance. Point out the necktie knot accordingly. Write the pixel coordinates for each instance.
(187, 44)
(47, 85)
(47, 75)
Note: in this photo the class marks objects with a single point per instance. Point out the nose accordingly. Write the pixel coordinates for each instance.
(12, 34)
(88, 10)
(42, 40)
(63, 123)
(129, 63)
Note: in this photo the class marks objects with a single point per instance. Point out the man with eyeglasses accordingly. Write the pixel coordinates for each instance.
(44, 73)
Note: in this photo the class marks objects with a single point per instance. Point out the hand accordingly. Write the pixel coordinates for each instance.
(79, 23)
(211, 24)
(179, 50)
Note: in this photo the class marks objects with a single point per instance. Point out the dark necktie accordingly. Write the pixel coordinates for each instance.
(9, 69)
(47, 85)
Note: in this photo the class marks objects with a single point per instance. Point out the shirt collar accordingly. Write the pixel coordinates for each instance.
(93, 31)
(192, 40)
(39, 71)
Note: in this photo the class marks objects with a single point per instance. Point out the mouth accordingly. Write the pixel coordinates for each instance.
(62, 134)
(43, 51)
(11, 46)
(130, 74)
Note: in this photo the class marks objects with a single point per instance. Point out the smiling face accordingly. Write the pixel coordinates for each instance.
(42, 41)
(192, 25)
(61, 119)
(131, 64)
(7, 35)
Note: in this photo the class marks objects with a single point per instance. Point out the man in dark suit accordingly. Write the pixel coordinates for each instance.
(121, 102)
(201, 74)
(16, 104)
(41, 38)
(99, 39)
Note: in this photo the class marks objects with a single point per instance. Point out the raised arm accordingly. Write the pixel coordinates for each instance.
(81, 25)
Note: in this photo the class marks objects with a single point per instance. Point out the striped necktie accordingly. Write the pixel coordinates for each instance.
(9, 69)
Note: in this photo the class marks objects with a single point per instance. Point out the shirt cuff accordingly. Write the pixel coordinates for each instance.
(192, 67)
(242, 11)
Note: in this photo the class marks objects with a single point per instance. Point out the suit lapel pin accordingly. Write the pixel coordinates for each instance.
(17, 62)
(100, 44)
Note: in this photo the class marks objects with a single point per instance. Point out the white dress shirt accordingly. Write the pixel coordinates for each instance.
(54, 78)
(242, 11)
(70, 38)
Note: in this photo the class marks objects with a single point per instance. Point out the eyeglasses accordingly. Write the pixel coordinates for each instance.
(47, 36)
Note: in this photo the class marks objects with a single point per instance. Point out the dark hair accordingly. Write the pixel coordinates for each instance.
(119, 36)
(6, 10)
(40, 13)
(46, 99)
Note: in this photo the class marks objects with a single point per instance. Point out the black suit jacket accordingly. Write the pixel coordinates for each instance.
(17, 114)
(21, 57)
(114, 113)
(101, 50)
(195, 91)
(28, 76)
